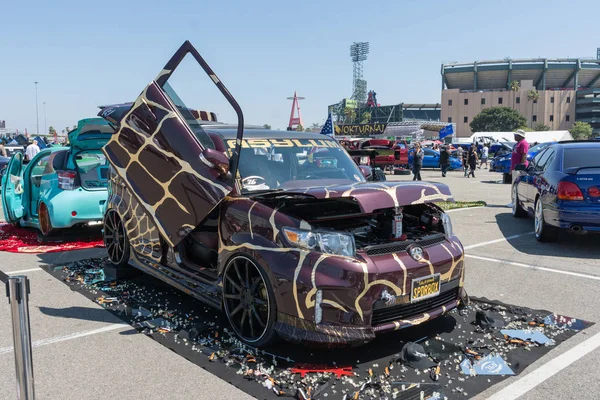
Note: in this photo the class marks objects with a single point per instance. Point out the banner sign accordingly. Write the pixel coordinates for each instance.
(360, 129)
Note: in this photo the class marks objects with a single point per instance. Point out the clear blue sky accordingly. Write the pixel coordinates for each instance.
(106, 52)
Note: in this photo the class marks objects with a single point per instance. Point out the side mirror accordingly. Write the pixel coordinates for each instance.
(216, 160)
(366, 171)
(520, 167)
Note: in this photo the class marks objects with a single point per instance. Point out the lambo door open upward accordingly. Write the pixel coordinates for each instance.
(164, 155)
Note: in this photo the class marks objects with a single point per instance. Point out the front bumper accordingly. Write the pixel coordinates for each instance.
(372, 297)
(400, 316)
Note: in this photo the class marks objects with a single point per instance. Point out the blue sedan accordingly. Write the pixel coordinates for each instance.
(561, 189)
(431, 159)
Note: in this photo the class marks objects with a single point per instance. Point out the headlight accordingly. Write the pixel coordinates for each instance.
(325, 242)
(447, 225)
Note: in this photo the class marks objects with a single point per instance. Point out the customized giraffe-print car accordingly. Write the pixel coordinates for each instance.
(280, 230)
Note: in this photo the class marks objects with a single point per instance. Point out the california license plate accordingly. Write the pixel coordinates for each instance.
(424, 288)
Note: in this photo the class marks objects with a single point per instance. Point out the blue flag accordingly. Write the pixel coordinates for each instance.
(448, 130)
(327, 129)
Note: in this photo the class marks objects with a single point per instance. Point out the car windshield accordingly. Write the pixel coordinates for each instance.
(581, 158)
(270, 164)
(539, 147)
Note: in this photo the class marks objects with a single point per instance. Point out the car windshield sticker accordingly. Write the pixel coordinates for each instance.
(269, 143)
(254, 183)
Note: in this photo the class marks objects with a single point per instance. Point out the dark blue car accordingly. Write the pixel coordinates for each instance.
(561, 189)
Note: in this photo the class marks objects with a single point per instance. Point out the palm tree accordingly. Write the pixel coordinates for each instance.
(514, 87)
(533, 96)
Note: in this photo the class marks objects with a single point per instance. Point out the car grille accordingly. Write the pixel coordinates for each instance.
(404, 311)
(396, 247)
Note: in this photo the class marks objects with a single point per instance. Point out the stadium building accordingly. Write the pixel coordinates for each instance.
(569, 91)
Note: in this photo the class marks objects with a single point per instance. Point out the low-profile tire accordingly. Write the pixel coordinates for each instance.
(249, 301)
(517, 210)
(115, 239)
(401, 172)
(543, 231)
(506, 178)
(45, 222)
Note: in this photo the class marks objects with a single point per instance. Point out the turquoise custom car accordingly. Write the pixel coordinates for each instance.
(62, 186)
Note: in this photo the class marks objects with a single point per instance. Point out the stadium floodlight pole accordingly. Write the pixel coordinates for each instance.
(358, 54)
(37, 119)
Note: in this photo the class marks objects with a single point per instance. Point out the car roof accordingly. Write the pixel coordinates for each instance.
(266, 134)
(579, 144)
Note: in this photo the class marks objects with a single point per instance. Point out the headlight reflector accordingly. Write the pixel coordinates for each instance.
(447, 223)
(326, 242)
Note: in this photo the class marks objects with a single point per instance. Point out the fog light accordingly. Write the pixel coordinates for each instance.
(318, 310)
(74, 213)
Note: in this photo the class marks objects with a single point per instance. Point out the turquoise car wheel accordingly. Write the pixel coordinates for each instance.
(44, 219)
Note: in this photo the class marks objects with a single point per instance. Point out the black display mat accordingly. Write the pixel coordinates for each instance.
(200, 334)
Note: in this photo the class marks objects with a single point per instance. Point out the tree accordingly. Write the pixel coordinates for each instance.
(350, 114)
(51, 130)
(581, 130)
(365, 118)
(541, 127)
(67, 129)
(497, 119)
(514, 87)
(267, 126)
(74, 127)
(532, 96)
(299, 128)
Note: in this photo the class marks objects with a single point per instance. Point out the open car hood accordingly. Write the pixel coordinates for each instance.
(374, 196)
(91, 133)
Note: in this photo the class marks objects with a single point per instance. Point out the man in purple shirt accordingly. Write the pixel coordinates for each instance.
(519, 154)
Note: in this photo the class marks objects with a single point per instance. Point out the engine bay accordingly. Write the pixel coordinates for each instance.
(405, 223)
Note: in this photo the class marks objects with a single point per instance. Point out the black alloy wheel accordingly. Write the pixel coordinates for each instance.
(115, 239)
(249, 301)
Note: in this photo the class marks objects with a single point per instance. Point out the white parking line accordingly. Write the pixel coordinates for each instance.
(76, 335)
(22, 271)
(516, 264)
(464, 208)
(539, 375)
(472, 246)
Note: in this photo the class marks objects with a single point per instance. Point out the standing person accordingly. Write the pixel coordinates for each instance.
(31, 150)
(472, 159)
(459, 153)
(485, 151)
(417, 162)
(465, 162)
(444, 160)
(2, 149)
(519, 153)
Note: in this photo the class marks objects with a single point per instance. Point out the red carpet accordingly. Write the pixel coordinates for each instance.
(21, 240)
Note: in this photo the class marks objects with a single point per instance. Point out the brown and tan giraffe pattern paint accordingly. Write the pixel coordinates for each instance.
(154, 152)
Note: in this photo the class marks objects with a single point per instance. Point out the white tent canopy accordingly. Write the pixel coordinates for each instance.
(532, 137)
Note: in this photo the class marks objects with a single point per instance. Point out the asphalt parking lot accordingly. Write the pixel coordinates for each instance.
(82, 351)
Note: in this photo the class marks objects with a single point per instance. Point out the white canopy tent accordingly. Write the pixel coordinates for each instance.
(532, 137)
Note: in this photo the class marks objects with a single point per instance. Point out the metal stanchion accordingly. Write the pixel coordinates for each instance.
(17, 290)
